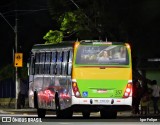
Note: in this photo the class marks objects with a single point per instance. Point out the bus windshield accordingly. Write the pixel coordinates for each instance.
(102, 55)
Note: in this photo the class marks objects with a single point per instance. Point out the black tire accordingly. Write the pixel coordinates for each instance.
(65, 114)
(86, 114)
(59, 112)
(35, 100)
(103, 114)
(108, 114)
(68, 113)
(114, 114)
(41, 113)
(57, 104)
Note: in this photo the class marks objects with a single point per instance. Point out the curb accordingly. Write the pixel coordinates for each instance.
(17, 110)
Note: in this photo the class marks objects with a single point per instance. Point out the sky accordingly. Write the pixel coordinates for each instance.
(33, 25)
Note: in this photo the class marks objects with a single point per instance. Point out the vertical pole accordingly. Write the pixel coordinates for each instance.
(16, 69)
(16, 41)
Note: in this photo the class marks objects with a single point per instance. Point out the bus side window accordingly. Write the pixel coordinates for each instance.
(69, 62)
(53, 62)
(37, 63)
(42, 60)
(59, 62)
(64, 63)
(47, 62)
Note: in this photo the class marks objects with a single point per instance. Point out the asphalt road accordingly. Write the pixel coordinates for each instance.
(30, 116)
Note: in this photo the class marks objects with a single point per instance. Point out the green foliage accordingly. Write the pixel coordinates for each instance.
(53, 37)
(70, 23)
(92, 19)
(73, 21)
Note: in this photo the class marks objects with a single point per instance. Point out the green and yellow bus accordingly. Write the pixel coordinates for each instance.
(83, 76)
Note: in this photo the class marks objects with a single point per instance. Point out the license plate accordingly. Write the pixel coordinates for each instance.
(101, 91)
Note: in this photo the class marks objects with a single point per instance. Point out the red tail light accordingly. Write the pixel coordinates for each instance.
(75, 89)
(128, 91)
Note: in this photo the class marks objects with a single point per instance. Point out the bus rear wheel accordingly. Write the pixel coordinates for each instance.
(66, 113)
(108, 114)
(41, 113)
(86, 114)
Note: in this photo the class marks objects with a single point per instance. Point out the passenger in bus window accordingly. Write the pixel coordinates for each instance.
(110, 54)
(122, 52)
(103, 56)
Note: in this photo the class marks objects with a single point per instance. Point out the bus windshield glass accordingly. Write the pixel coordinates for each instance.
(102, 55)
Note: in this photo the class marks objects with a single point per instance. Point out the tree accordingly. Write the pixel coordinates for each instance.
(76, 24)
(117, 20)
(90, 19)
(73, 22)
(70, 23)
(53, 37)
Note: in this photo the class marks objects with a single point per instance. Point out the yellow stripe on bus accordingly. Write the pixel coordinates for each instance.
(103, 74)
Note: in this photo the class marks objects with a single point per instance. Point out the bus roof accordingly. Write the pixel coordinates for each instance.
(69, 44)
(52, 46)
(83, 42)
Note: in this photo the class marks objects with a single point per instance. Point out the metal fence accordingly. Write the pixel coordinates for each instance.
(7, 88)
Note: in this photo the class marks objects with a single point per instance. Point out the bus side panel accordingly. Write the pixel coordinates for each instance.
(45, 96)
(47, 86)
(50, 73)
(46, 93)
(65, 91)
(34, 86)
